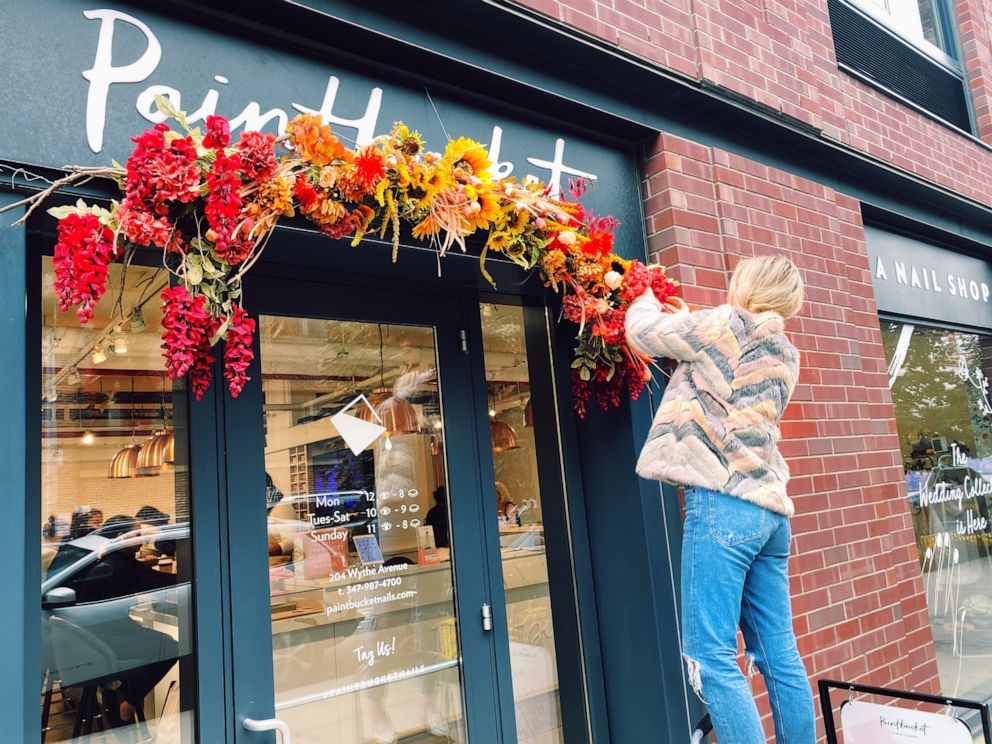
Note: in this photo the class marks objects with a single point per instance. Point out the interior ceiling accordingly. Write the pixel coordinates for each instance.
(322, 357)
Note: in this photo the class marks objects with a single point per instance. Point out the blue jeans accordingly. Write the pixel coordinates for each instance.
(735, 558)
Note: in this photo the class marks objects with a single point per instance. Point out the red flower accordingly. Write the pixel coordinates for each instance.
(238, 352)
(159, 173)
(580, 394)
(144, 228)
(305, 193)
(223, 210)
(218, 132)
(369, 168)
(600, 243)
(202, 371)
(258, 158)
(186, 325)
(83, 254)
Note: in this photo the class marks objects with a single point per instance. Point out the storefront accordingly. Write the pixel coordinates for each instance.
(399, 531)
(206, 564)
(935, 315)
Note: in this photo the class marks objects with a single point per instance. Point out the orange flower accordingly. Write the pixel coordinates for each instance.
(313, 141)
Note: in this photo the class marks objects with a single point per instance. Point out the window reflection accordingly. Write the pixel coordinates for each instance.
(116, 559)
(939, 382)
(520, 517)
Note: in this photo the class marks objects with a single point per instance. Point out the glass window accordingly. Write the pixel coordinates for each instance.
(939, 382)
(520, 516)
(364, 629)
(915, 20)
(115, 550)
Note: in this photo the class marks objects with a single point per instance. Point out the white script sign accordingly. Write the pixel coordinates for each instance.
(870, 723)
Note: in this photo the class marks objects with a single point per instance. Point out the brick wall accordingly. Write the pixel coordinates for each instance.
(860, 612)
(780, 53)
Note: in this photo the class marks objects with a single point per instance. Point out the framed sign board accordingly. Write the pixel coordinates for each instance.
(864, 722)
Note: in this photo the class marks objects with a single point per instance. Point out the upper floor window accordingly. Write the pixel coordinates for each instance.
(906, 49)
(925, 23)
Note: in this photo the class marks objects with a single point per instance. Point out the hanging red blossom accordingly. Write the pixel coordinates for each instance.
(218, 132)
(201, 372)
(223, 209)
(83, 254)
(238, 352)
(186, 325)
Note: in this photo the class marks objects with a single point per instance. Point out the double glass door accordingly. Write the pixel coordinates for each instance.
(384, 522)
(359, 549)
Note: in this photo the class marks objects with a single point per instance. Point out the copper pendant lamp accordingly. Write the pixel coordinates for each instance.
(504, 436)
(124, 463)
(156, 453)
(397, 414)
(160, 450)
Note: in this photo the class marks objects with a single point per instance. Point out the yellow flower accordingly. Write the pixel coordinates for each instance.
(498, 241)
(467, 157)
(520, 219)
(433, 183)
(489, 209)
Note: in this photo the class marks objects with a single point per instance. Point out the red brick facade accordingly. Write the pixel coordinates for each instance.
(780, 53)
(860, 611)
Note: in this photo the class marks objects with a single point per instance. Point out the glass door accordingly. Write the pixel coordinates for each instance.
(355, 520)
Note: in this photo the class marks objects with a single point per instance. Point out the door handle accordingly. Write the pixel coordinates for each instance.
(269, 724)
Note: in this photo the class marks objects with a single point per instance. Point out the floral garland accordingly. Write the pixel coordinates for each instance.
(211, 206)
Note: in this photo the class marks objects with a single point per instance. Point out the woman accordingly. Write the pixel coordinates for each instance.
(716, 433)
(505, 508)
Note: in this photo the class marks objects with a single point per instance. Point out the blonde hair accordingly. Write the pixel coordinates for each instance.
(767, 283)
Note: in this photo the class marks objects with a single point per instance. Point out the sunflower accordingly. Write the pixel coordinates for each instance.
(433, 182)
(489, 209)
(498, 241)
(467, 157)
(407, 142)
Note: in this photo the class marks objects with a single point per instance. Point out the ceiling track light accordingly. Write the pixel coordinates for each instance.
(118, 341)
(137, 322)
(99, 355)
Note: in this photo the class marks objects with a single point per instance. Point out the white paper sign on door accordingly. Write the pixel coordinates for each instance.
(870, 723)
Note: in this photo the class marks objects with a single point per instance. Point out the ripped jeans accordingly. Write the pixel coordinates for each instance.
(735, 558)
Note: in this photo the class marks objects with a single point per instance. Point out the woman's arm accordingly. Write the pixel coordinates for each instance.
(654, 332)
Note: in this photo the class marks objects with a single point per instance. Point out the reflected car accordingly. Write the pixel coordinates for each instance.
(106, 613)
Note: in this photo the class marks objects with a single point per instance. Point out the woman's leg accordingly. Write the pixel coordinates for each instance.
(766, 622)
(722, 535)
